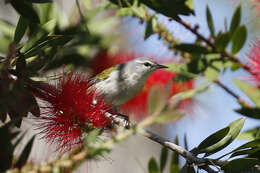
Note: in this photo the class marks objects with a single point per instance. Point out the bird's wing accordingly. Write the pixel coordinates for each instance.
(104, 74)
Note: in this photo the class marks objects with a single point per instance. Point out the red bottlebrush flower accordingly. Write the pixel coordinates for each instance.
(254, 62)
(138, 105)
(69, 111)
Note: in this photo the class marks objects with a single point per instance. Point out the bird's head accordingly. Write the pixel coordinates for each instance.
(143, 66)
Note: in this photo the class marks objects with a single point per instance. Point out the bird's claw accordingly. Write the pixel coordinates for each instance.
(119, 119)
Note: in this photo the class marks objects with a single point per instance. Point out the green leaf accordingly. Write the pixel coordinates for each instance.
(222, 41)
(153, 100)
(149, 30)
(250, 134)
(240, 165)
(122, 12)
(25, 154)
(238, 39)
(187, 94)
(251, 144)
(221, 138)
(189, 3)
(54, 40)
(20, 29)
(210, 22)
(181, 69)
(99, 151)
(213, 139)
(39, 36)
(153, 166)
(39, 1)
(211, 74)
(174, 165)
(157, 99)
(25, 10)
(187, 169)
(6, 28)
(163, 158)
(249, 112)
(191, 48)
(251, 91)
(170, 8)
(50, 25)
(92, 136)
(169, 116)
(246, 152)
(182, 77)
(235, 22)
(185, 142)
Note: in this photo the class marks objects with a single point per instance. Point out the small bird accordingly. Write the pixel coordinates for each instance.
(120, 83)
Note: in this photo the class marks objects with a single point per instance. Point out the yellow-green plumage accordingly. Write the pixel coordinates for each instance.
(105, 74)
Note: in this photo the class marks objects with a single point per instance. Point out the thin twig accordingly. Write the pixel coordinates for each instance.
(229, 91)
(223, 54)
(202, 163)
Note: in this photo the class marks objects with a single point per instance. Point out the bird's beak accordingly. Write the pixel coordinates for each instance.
(158, 66)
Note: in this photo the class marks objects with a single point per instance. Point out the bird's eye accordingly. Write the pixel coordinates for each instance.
(147, 64)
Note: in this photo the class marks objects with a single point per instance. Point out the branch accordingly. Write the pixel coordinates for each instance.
(223, 54)
(202, 163)
(207, 41)
(229, 91)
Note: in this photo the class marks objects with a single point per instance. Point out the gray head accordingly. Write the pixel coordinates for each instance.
(143, 66)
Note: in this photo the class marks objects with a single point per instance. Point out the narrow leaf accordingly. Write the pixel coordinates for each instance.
(153, 166)
(222, 41)
(235, 22)
(174, 165)
(163, 158)
(251, 144)
(210, 22)
(250, 134)
(220, 139)
(20, 29)
(238, 39)
(187, 169)
(245, 152)
(149, 30)
(213, 139)
(191, 48)
(249, 112)
(251, 91)
(25, 154)
(92, 136)
(211, 74)
(39, 1)
(240, 165)
(186, 142)
(50, 41)
(26, 10)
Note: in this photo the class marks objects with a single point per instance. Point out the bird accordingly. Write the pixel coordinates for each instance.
(120, 83)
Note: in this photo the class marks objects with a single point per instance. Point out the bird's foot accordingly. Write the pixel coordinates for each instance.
(119, 119)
